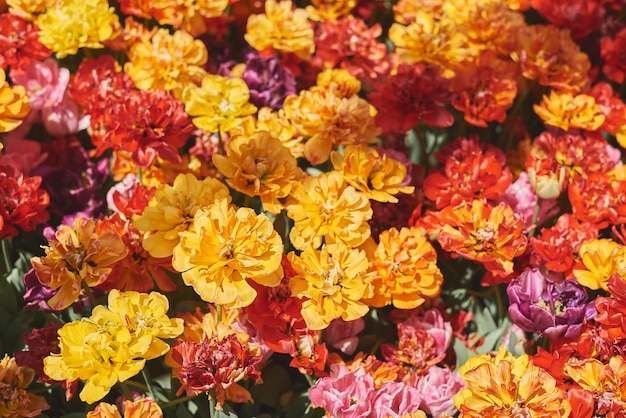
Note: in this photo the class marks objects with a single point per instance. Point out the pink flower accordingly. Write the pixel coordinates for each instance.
(521, 198)
(437, 389)
(343, 334)
(344, 394)
(22, 155)
(432, 322)
(64, 118)
(395, 399)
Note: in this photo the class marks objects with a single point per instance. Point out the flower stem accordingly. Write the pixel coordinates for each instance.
(177, 401)
(126, 391)
(211, 404)
(6, 255)
(422, 142)
(89, 294)
(309, 379)
(146, 378)
(533, 226)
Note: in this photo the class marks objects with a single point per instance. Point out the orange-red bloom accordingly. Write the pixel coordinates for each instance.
(19, 43)
(23, 204)
(611, 50)
(581, 17)
(598, 200)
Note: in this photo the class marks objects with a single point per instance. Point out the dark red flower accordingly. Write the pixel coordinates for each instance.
(19, 43)
(612, 52)
(581, 17)
(416, 93)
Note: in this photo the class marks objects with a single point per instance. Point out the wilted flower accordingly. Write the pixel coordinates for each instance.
(15, 400)
(553, 309)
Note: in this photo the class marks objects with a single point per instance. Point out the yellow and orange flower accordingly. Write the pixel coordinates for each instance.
(604, 380)
(600, 259)
(166, 61)
(280, 127)
(14, 105)
(320, 10)
(282, 27)
(224, 248)
(141, 408)
(334, 280)
(406, 269)
(259, 165)
(325, 208)
(565, 111)
(29, 9)
(491, 235)
(67, 26)
(219, 104)
(15, 400)
(172, 209)
(84, 254)
(505, 386)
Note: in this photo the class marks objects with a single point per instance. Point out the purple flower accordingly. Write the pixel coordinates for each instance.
(36, 295)
(556, 310)
(268, 82)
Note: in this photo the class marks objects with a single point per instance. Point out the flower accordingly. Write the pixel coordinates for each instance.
(85, 253)
(24, 203)
(259, 165)
(224, 248)
(415, 93)
(172, 209)
(269, 83)
(282, 27)
(15, 400)
(614, 67)
(219, 104)
(379, 177)
(492, 235)
(342, 335)
(406, 269)
(556, 310)
(325, 207)
(505, 386)
(321, 11)
(334, 279)
(438, 388)
(19, 43)
(600, 259)
(73, 24)
(14, 105)
(567, 111)
(41, 343)
(166, 61)
(521, 198)
(132, 409)
(214, 366)
(581, 17)
(395, 399)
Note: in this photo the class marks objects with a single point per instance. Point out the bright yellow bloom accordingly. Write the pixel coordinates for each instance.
(172, 209)
(406, 269)
(281, 27)
(141, 408)
(604, 380)
(223, 248)
(335, 280)
(15, 400)
(29, 9)
(190, 16)
(280, 127)
(379, 177)
(69, 25)
(87, 251)
(259, 165)
(14, 105)
(566, 111)
(601, 258)
(325, 207)
(114, 343)
(505, 386)
(328, 120)
(321, 10)
(167, 61)
(219, 104)
(339, 81)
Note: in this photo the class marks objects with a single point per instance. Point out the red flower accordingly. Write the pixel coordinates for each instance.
(599, 200)
(612, 52)
(214, 366)
(416, 93)
(611, 105)
(309, 356)
(23, 203)
(147, 124)
(581, 17)
(19, 43)
(133, 201)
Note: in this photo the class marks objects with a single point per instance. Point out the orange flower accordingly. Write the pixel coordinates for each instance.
(605, 381)
(280, 127)
(549, 54)
(15, 400)
(14, 105)
(321, 10)
(325, 208)
(86, 253)
(406, 269)
(599, 200)
(141, 408)
(478, 231)
(259, 165)
(23, 205)
(567, 111)
(166, 61)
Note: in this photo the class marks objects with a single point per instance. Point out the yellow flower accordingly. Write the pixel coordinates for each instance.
(86, 252)
(29, 9)
(223, 248)
(325, 207)
(339, 81)
(566, 111)
(335, 280)
(259, 165)
(378, 177)
(329, 120)
(321, 10)
(191, 16)
(141, 408)
(166, 61)
(14, 105)
(281, 27)
(601, 258)
(15, 400)
(605, 380)
(69, 25)
(505, 386)
(219, 104)
(114, 343)
(280, 127)
(406, 269)
(172, 209)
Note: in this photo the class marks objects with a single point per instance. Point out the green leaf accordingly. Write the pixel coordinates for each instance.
(227, 411)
